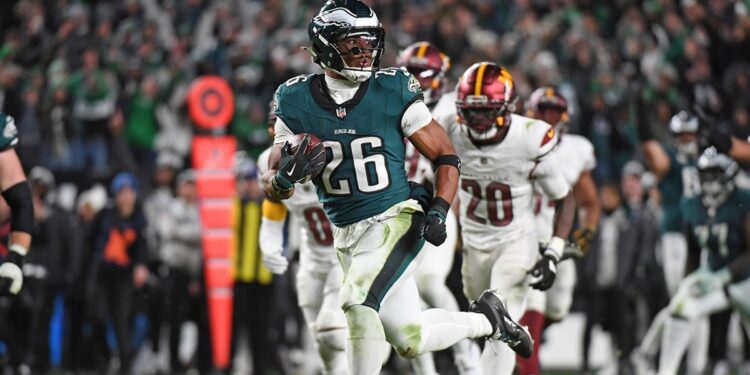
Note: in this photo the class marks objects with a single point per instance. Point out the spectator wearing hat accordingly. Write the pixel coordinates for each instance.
(118, 265)
(49, 269)
(182, 254)
(156, 207)
(79, 343)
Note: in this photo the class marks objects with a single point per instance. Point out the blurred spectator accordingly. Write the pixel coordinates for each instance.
(49, 269)
(252, 280)
(58, 130)
(29, 125)
(118, 266)
(79, 344)
(94, 94)
(182, 253)
(141, 124)
(618, 271)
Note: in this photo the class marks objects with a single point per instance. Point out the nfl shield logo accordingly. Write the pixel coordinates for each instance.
(341, 112)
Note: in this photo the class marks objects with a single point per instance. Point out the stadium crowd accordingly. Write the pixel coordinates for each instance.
(97, 90)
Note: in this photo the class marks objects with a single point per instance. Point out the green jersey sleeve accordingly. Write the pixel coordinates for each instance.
(9, 136)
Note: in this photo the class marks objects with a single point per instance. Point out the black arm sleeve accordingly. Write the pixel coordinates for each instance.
(694, 250)
(18, 197)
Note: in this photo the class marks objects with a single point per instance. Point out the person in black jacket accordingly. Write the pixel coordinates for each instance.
(49, 268)
(616, 271)
(118, 266)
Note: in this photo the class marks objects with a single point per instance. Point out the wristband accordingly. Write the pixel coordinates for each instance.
(555, 248)
(16, 248)
(14, 257)
(281, 184)
(440, 205)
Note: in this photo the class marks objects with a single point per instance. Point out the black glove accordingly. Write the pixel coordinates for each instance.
(298, 167)
(712, 132)
(721, 139)
(544, 272)
(434, 230)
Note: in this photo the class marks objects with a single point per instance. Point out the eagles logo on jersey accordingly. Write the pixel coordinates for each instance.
(428, 65)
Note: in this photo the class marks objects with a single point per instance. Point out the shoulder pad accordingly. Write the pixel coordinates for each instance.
(542, 136)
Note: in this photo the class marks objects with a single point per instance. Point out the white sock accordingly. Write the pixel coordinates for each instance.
(442, 328)
(424, 364)
(365, 345)
(675, 339)
(697, 358)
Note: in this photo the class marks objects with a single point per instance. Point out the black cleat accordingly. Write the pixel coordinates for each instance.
(505, 329)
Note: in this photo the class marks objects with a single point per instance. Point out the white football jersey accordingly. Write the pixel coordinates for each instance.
(316, 240)
(496, 191)
(574, 155)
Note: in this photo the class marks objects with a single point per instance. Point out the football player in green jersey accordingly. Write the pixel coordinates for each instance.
(361, 114)
(674, 166)
(17, 194)
(717, 226)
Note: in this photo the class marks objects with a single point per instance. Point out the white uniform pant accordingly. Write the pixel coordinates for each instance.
(505, 270)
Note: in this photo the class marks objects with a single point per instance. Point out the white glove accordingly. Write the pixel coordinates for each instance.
(271, 243)
(11, 276)
(275, 262)
(703, 281)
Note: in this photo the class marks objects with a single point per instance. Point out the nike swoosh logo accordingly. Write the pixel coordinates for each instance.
(291, 170)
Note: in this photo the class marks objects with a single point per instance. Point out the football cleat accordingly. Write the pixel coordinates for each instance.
(504, 328)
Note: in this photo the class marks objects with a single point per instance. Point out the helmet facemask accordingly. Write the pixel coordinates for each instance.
(716, 173)
(483, 119)
(363, 45)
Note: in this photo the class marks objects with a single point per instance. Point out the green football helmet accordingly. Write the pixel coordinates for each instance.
(342, 19)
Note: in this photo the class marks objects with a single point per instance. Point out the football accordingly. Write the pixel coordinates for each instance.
(313, 143)
(297, 140)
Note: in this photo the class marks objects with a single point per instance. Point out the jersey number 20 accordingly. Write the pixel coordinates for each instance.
(362, 162)
(491, 192)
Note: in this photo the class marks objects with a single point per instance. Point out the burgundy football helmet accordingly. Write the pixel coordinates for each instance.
(485, 100)
(425, 62)
(546, 103)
